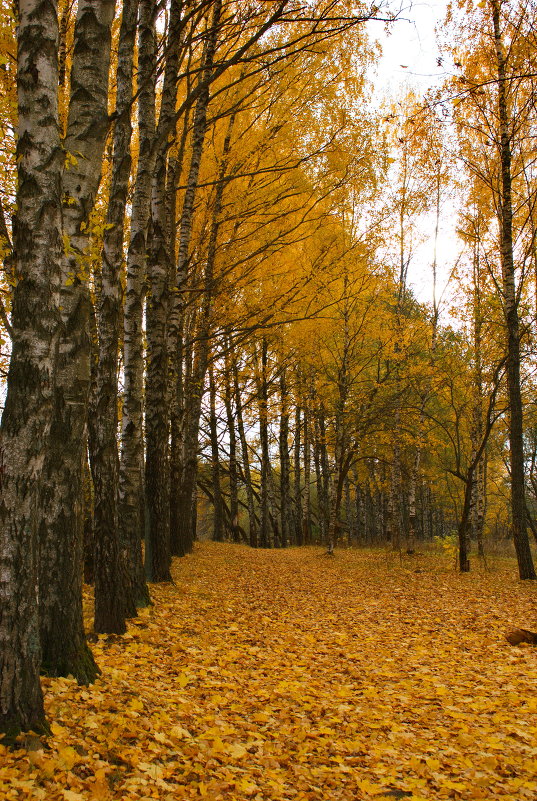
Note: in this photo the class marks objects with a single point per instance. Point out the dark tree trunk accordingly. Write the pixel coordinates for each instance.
(516, 430)
(297, 478)
(465, 524)
(318, 481)
(262, 399)
(113, 584)
(245, 459)
(285, 471)
(179, 357)
(131, 465)
(306, 522)
(232, 436)
(89, 571)
(183, 535)
(325, 475)
(218, 524)
(159, 269)
(349, 512)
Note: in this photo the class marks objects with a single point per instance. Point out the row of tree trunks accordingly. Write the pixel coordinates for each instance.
(66, 352)
(358, 510)
(63, 642)
(52, 221)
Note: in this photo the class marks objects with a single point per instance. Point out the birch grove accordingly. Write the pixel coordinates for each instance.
(209, 327)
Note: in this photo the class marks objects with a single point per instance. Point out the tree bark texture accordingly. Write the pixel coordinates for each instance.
(262, 400)
(184, 536)
(246, 472)
(297, 481)
(285, 465)
(159, 267)
(61, 530)
(24, 434)
(218, 524)
(113, 569)
(131, 464)
(306, 429)
(516, 430)
(232, 465)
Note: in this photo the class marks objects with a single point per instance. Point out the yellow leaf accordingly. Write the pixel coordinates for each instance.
(459, 786)
(180, 733)
(183, 680)
(70, 795)
(217, 746)
(100, 790)
(367, 786)
(237, 751)
(246, 787)
(151, 768)
(57, 730)
(68, 756)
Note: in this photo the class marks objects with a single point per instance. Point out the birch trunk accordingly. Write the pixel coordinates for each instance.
(325, 473)
(285, 505)
(24, 433)
(306, 428)
(218, 526)
(348, 510)
(177, 364)
(412, 494)
(160, 259)
(245, 459)
(232, 436)
(318, 480)
(297, 477)
(63, 642)
(131, 520)
(113, 582)
(262, 399)
(479, 481)
(184, 535)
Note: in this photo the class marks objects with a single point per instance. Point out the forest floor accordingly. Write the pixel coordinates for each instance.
(290, 675)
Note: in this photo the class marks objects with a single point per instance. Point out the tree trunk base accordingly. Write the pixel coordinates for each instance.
(80, 664)
(11, 730)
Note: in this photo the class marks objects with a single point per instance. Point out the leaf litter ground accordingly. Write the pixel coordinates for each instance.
(290, 675)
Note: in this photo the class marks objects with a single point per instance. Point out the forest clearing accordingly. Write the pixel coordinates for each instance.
(290, 675)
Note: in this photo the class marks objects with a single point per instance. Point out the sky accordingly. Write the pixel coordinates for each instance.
(410, 48)
(409, 60)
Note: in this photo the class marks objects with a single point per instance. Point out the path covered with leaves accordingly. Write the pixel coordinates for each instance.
(289, 675)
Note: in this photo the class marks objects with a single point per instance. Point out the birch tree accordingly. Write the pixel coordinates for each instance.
(35, 324)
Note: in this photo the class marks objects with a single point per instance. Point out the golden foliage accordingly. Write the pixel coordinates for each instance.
(286, 675)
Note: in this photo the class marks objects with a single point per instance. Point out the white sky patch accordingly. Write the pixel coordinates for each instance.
(410, 49)
(411, 60)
